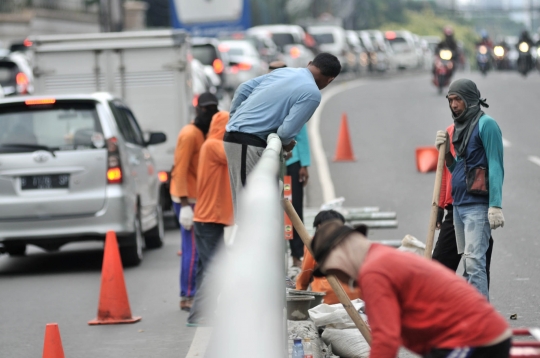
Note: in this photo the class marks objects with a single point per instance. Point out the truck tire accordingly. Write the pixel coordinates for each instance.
(154, 237)
(131, 253)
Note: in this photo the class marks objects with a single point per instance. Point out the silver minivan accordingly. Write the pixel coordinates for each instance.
(72, 168)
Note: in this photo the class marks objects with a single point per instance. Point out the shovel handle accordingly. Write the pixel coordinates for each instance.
(435, 202)
(332, 280)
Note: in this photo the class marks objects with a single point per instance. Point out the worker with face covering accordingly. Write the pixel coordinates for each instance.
(477, 178)
(184, 190)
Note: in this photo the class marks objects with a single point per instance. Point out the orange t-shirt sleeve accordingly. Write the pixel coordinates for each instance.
(308, 265)
(185, 148)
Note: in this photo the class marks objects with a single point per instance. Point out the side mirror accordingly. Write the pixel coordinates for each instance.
(156, 138)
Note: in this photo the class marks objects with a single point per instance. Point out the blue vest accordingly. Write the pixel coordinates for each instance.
(475, 156)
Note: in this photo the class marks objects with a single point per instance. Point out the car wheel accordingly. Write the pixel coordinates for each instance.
(154, 237)
(15, 249)
(132, 253)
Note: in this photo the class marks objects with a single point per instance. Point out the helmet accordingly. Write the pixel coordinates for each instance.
(484, 34)
(449, 31)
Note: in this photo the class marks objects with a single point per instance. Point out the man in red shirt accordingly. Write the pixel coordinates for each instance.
(411, 301)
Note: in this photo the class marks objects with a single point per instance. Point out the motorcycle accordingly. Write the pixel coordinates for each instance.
(483, 59)
(525, 63)
(501, 60)
(443, 69)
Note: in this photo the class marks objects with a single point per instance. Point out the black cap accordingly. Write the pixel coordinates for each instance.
(329, 235)
(207, 99)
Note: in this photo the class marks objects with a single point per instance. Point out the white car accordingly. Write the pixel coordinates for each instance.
(404, 48)
(290, 41)
(244, 62)
(333, 39)
(73, 168)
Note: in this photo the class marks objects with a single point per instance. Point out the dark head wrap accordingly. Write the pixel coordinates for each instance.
(465, 123)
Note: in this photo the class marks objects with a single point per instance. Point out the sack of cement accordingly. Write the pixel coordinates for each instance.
(335, 316)
(412, 244)
(346, 343)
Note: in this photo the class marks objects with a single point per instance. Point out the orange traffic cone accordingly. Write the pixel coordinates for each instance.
(52, 348)
(426, 159)
(113, 300)
(344, 152)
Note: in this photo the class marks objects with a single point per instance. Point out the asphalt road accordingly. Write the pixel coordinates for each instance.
(63, 287)
(389, 118)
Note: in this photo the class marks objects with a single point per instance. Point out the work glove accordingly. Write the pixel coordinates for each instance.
(186, 217)
(495, 217)
(442, 137)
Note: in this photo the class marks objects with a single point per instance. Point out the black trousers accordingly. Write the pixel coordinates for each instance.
(446, 247)
(297, 245)
(500, 350)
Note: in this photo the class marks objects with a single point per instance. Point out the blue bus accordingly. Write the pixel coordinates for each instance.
(210, 18)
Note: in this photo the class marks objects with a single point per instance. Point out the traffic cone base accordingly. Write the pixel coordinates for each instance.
(344, 152)
(113, 305)
(52, 347)
(426, 159)
(98, 321)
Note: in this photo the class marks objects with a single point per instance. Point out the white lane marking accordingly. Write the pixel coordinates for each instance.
(325, 179)
(534, 159)
(506, 143)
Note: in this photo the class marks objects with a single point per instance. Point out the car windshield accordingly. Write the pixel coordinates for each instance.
(283, 39)
(399, 44)
(61, 126)
(324, 38)
(206, 54)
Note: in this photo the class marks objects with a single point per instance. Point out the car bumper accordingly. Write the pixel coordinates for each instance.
(114, 216)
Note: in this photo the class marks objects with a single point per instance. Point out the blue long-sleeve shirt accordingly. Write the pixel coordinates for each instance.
(485, 147)
(279, 102)
(300, 152)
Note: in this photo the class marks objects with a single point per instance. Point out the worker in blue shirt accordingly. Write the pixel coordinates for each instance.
(298, 161)
(281, 102)
(477, 178)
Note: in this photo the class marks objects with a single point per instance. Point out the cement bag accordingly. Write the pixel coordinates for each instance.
(412, 244)
(346, 343)
(335, 316)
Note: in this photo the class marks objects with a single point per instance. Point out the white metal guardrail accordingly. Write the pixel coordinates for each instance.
(252, 305)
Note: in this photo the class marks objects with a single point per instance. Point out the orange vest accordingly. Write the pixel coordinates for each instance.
(186, 161)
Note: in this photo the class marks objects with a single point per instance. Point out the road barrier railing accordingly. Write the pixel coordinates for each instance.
(251, 313)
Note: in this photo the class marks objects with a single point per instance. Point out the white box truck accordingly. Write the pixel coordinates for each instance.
(149, 70)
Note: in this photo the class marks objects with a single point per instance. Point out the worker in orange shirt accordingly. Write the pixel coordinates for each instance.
(320, 284)
(184, 190)
(213, 212)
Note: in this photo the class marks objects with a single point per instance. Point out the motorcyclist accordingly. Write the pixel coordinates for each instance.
(486, 41)
(526, 37)
(449, 43)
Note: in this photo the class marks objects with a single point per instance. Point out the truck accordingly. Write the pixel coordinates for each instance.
(203, 18)
(148, 70)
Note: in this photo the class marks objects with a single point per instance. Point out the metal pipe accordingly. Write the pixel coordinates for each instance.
(252, 307)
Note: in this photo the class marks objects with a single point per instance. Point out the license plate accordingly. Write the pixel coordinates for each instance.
(54, 181)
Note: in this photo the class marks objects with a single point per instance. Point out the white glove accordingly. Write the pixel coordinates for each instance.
(186, 217)
(495, 217)
(441, 138)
